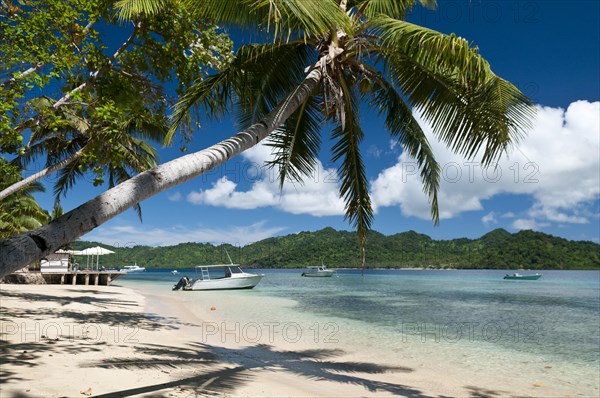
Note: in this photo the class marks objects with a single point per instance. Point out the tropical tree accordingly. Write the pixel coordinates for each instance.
(98, 102)
(20, 212)
(324, 60)
(72, 146)
(373, 57)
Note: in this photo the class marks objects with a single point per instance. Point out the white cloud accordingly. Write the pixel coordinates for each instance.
(129, 235)
(175, 197)
(528, 223)
(557, 164)
(489, 218)
(374, 151)
(317, 195)
(223, 194)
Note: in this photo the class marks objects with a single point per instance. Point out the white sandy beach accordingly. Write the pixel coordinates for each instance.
(113, 341)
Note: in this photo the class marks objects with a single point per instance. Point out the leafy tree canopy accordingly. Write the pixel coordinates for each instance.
(76, 75)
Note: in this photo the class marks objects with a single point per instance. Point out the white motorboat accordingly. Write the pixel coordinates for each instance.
(133, 268)
(220, 277)
(318, 272)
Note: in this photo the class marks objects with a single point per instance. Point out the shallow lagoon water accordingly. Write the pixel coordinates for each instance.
(523, 331)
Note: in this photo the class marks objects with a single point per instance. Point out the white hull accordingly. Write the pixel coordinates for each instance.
(130, 269)
(318, 274)
(237, 281)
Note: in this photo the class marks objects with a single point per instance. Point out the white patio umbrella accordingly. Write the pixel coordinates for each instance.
(71, 252)
(95, 251)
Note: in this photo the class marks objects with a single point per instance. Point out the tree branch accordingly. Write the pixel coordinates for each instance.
(40, 174)
(90, 81)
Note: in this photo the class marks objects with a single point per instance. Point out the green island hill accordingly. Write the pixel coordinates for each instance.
(498, 249)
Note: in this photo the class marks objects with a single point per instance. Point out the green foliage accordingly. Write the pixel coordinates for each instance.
(18, 212)
(104, 99)
(498, 249)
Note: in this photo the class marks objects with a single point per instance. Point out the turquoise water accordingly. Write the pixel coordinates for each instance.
(557, 317)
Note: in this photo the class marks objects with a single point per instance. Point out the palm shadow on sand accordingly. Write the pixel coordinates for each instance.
(235, 367)
(198, 369)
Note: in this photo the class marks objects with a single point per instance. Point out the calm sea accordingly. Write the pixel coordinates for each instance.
(470, 318)
(558, 315)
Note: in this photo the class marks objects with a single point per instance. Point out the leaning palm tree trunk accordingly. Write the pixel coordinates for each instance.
(21, 250)
(40, 174)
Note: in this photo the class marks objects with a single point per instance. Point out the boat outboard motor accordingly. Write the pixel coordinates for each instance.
(183, 282)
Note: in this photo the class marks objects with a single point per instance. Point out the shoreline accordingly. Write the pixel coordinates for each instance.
(135, 340)
(396, 269)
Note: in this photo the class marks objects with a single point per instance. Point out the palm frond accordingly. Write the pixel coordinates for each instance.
(137, 155)
(30, 189)
(147, 125)
(20, 212)
(446, 54)
(67, 176)
(63, 150)
(354, 187)
(271, 72)
(489, 113)
(281, 18)
(400, 123)
(258, 78)
(296, 144)
(213, 94)
(130, 9)
(392, 8)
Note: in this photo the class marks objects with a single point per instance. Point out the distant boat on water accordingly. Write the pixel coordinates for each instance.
(133, 268)
(318, 272)
(517, 276)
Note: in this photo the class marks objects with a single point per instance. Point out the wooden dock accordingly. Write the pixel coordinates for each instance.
(94, 278)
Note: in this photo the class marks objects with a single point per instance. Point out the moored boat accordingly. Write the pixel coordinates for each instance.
(517, 276)
(132, 268)
(318, 272)
(220, 277)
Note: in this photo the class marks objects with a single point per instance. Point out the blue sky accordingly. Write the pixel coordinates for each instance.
(550, 183)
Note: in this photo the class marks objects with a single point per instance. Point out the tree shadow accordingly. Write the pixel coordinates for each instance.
(479, 392)
(222, 382)
(28, 354)
(201, 369)
(121, 319)
(28, 334)
(100, 302)
(313, 365)
(20, 354)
